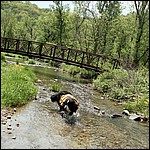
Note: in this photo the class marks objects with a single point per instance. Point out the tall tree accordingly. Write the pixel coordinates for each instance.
(108, 11)
(59, 11)
(8, 21)
(142, 10)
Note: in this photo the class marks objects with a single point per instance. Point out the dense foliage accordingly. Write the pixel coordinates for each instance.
(100, 29)
(129, 86)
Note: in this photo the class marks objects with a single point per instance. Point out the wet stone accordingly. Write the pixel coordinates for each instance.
(14, 137)
(97, 108)
(115, 116)
(9, 132)
(8, 117)
(144, 119)
(135, 117)
(4, 122)
(126, 112)
(9, 128)
(103, 112)
(17, 124)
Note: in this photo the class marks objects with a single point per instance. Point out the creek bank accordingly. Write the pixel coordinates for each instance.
(132, 116)
(41, 126)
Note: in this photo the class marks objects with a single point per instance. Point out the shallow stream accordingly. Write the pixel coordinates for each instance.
(42, 127)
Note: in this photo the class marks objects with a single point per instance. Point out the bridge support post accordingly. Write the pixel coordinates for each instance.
(5, 43)
(29, 42)
(68, 54)
(40, 50)
(17, 45)
(82, 58)
(54, 51)
(97, 62)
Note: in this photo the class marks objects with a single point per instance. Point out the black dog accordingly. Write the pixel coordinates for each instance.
(65, 100)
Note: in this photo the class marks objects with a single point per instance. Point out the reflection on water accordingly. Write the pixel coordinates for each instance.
(53, 73)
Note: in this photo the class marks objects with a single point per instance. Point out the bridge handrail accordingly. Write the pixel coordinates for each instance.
(63, 47)
(86, 53)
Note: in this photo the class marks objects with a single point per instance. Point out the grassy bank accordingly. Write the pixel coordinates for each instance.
(17, 85)
(131, 87)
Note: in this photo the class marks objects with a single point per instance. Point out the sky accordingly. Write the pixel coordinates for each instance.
(45, 4)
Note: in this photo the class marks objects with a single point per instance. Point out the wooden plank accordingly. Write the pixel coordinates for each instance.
(54, 52)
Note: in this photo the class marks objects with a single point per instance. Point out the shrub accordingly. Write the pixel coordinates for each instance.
(126, 85)
(82, 72)
(32, 62)
(139, 105)
(3, 57)
(122, 84)
(56, 87)
(17, 85)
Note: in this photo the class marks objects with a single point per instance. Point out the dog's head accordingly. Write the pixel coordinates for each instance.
(54, 98)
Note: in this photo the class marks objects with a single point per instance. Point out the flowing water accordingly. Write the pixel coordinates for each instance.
(42, 127)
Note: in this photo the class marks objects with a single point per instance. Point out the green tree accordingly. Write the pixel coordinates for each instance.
(142, 11)
(8, 21)
(60, 24)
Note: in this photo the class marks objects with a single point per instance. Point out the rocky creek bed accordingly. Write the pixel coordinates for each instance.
(39, 125)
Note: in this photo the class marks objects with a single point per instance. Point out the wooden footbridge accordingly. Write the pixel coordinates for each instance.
(56, 53)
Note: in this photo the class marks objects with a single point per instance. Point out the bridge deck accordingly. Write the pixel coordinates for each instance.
(55, 53)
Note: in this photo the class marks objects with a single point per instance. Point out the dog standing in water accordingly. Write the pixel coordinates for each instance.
(66, 101)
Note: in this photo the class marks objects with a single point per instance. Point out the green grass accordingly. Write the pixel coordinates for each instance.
(139, 105)
(129, 86)
(80, 72)
(17, 85)
(3, 57)
(32, 62)
(56, 87)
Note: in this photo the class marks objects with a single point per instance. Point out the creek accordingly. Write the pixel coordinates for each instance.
(42, 127)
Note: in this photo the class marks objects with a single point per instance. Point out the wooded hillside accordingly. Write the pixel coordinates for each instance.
(101, 30)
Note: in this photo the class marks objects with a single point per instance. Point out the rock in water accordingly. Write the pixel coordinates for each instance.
(126, 112)
(135, 117)
(115, 116)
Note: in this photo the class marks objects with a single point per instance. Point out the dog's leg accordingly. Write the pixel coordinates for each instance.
(71, 113)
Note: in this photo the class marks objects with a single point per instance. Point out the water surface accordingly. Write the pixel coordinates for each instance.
(42, 127)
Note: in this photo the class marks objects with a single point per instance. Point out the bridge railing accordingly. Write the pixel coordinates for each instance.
(57, 53)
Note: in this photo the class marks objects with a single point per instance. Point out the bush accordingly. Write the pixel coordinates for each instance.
(122, 84)
(17, 85)
(70, 68)
(82, 72)
(139, 105)
(32, 62)
(56, 87)
(3, 57)
(126, 85)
